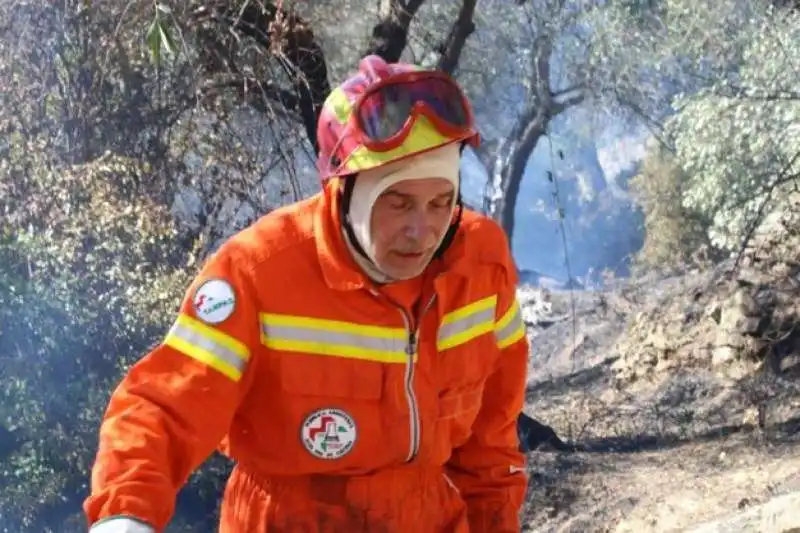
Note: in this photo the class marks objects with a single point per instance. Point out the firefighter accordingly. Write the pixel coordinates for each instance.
(360, 355)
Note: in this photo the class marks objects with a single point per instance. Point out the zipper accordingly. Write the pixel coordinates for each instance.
(411, 349)
(411, 397)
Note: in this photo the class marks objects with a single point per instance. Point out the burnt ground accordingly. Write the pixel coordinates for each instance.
(684, 447)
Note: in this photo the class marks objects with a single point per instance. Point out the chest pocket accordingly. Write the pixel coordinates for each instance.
(324, 368)
(466, 353)
(336, 378)
(466, 344)
(331, 358)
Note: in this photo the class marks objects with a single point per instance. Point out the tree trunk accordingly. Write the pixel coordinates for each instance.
(507, 166)
(462, 28)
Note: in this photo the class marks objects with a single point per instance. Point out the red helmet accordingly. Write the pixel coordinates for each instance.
(387, 112)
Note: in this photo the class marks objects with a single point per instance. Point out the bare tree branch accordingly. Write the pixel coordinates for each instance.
(253, 92)
(292, 45)
(390, 35)
(462, 28)
(290, 40)
(543, 48)
(564, 92)
(559, 107)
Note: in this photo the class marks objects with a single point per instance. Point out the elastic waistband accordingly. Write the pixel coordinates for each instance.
(339, 489)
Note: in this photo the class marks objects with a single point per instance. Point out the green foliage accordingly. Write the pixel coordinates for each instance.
(738, 142)
(733, 123)
(159, 34)
(74, 77)
(92, 263)
(673, 233)
(92, 273)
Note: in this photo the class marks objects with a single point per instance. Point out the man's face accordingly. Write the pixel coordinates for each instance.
(408, 222)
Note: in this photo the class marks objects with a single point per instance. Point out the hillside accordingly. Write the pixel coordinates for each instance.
(682, 392)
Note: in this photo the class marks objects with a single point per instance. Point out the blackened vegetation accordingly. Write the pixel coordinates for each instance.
(290, 39)
(533, 436)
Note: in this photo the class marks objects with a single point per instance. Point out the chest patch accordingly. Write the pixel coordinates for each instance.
(329, 433)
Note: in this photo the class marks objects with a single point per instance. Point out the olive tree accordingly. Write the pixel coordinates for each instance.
(731, 125)
(738, 140)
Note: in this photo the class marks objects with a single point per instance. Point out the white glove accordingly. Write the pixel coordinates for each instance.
(121, 525)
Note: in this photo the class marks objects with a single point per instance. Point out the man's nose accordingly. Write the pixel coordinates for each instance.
(416, 226)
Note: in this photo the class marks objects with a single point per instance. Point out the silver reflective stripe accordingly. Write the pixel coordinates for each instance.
(199, 340)
(334, 337)
(510, 328)
(459, 326)
(121, 524)
(467, 323)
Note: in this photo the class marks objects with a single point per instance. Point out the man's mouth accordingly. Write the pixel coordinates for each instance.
(410, 255)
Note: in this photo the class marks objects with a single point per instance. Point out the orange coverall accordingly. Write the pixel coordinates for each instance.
(345, 407)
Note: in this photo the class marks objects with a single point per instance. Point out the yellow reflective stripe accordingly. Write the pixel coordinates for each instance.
(510, 328)
(332, 325)
(422, 137)
(339, 105)
(208, 346)
(508, 316)
(333, 338)
(467, 323)
(462, 312)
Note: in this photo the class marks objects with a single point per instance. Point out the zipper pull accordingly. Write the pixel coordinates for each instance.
(412, 343)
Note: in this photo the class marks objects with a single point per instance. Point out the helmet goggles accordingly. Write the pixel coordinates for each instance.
(425, 108)
(385, 112)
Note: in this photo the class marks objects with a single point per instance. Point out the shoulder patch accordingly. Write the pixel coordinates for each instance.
(214, 301)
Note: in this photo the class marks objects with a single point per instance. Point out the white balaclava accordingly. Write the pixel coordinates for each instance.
(443, 162)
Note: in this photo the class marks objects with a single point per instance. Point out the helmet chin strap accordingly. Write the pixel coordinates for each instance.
(453, 229)
(344, 208)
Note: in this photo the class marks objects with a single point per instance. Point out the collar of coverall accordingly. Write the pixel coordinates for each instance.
(443, 162)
